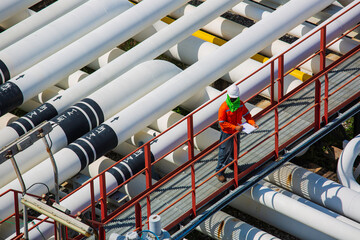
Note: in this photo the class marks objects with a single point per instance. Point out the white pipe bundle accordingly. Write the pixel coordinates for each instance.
(57, 34)
(36, 21)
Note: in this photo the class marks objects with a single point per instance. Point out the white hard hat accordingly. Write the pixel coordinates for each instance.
(233, 91)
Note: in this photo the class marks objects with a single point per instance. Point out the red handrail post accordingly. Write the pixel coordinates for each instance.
(92, 197)
(322, 66)
(148, 176)
(280, 77)
(276, 113)
(147, 165)
(236, 154)
(272, 88)
(103, 204)
(17, 215)
(138, 218)
(190, 132)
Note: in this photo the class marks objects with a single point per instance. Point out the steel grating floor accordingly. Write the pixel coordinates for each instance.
(205, 167)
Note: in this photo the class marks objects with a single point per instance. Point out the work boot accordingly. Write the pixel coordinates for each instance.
(221, 178)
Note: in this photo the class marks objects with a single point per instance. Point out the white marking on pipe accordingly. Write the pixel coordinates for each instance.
(87, 117)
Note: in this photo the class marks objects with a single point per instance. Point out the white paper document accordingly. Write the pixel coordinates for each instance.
(248, 128)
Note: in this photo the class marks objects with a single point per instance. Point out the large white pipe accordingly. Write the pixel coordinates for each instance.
(193, 49)
(83, 51)
(345, 166)
(318, 189)
(92, 111)
(290, 215)
(72, 79)
(223, 226)
(20, 16)
(36, 21)
(311, 204)
(10, 7)
(220, 26)
(7, 119)
(147, 50)
(179, 88)
(57, 34)
(258, 12)
(308, 47)
(105, 58)
(47, 94)
(319, 219)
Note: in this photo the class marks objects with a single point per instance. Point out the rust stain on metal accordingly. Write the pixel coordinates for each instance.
(221, 226)
(288, 180)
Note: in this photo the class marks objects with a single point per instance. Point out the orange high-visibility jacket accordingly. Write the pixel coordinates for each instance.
(229, 120)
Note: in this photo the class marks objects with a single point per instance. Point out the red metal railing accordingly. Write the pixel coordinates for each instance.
(192, 158)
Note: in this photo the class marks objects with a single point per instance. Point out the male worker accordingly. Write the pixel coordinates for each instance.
(230, 117)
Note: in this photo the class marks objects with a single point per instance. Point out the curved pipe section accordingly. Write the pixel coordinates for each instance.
(318, 189)
(345, 165)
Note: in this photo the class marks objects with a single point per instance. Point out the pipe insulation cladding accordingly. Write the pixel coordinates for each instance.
(320, 190)
(81, 52)
(120, 127)
(145, 51)
(90, 112)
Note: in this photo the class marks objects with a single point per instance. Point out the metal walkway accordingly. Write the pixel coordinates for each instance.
(181, 184)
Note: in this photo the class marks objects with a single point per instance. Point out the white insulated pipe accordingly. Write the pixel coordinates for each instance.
(80, 53)
(36, 21)
(316, 218)
(193, 49)
(290, 215)
(105, 58)
(318, 189)
(258, 12)
(220, 26)
(345, 166)
(300, 53)
(57, 34)
(18, 17)
(7, 119)
(228, 29)
(147, 50)
(179, 88)
(72, 79)
(9, 8)
(223, 226)
(92, 111)
(27, 106)
(47, 94)
(311, 204)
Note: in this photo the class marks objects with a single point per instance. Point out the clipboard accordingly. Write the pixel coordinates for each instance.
(248, 128)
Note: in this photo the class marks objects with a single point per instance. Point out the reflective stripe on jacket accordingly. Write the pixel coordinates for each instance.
(229, 120)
